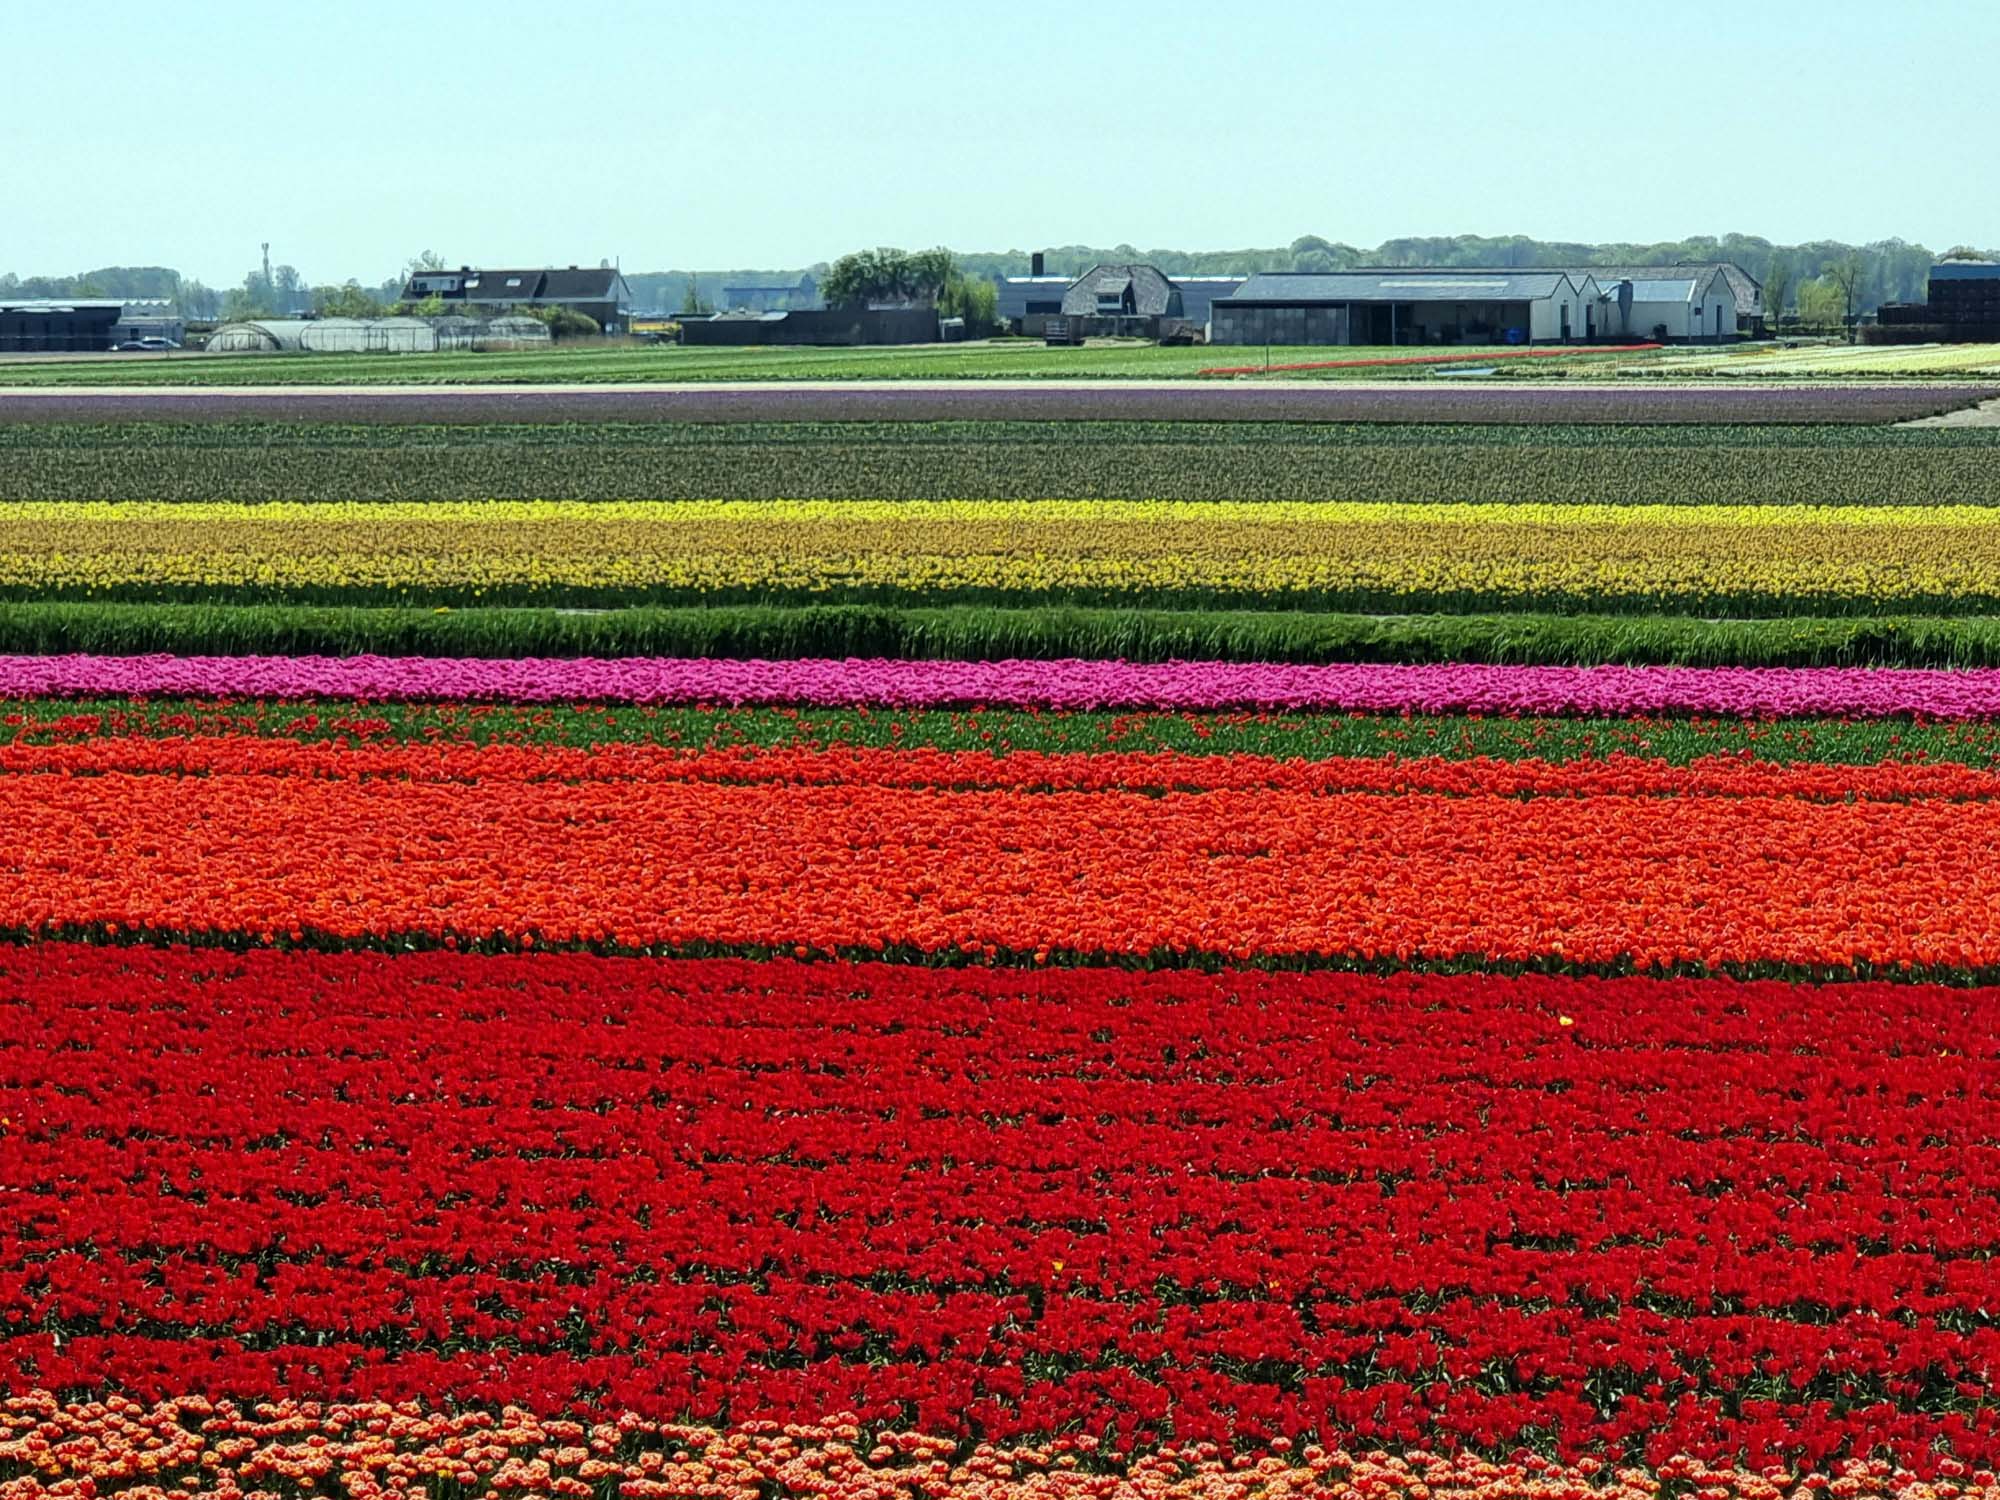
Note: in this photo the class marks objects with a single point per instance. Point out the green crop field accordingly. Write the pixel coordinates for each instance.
(1006, 359)
(193, 582)
(1542, 462)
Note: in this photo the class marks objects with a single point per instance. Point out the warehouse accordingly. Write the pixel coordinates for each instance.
(1408, 307)
(57, 325)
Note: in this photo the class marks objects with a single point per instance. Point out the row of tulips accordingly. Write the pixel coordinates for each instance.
(1621, 1218)
(1772, 560)
(1600, 863)
(382, 1451)
(499, 767)
(1749, 692)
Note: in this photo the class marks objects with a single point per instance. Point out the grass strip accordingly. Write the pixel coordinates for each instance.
(1302, 736)
(977, 633)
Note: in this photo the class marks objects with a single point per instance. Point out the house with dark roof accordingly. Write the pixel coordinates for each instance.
(599, 292)
(1408, 306)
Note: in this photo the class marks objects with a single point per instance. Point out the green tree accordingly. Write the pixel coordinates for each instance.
(974, 299)
(692, 303)
(197, 300)
(883, 274)
(1780, 278)
(288, 289)
(564, 322)
(349, 300)
(1819, 302)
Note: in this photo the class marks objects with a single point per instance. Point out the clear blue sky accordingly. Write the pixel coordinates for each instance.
(779, 132)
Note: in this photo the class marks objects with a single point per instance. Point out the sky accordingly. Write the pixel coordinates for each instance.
(776, 133)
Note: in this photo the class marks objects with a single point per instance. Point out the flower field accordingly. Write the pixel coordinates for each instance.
(1389, 558)
(1019, 984)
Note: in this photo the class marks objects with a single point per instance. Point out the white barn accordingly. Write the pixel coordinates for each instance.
(1698, 305)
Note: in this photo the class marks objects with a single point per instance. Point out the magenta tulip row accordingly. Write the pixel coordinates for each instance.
(1755, 692)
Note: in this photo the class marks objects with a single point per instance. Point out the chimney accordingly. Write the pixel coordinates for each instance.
(1035, 264)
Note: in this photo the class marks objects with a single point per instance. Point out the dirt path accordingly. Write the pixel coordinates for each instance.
(1985, 414)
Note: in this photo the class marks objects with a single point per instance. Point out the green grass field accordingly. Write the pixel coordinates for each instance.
(632, 364)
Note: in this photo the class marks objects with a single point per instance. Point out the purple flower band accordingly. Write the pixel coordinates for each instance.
(1748, 692)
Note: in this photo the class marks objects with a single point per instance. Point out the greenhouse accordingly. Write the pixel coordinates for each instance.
(482, 334)
(374, 335)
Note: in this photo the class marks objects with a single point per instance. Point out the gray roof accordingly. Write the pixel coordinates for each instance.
(574, 284)
(1402, 286)
(1664, 288)
(532, 284)
(1199, 293)
(1012, 294)
(1153, 295)
(59, 304)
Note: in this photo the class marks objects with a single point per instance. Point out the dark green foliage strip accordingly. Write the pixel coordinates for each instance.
(1292, 735)
(976, 633)
(998, 460)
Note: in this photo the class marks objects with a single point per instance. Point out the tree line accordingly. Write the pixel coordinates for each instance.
(1821, 280)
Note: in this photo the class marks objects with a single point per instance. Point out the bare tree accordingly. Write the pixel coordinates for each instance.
(1847, 274)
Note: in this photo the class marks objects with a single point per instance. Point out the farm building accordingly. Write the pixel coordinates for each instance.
(1671, 306)
(1122, 299)
(774, 296)
(834, 327)
(1962, 307)
(58, 324)
(374, 335)
(1407, 307)
(149, 318)
(1745, 289)
(1200, 293)
(599, 294)
(1019, 297)
(1125, 293)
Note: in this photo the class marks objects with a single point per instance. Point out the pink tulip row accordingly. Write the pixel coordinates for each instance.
(1754, 692)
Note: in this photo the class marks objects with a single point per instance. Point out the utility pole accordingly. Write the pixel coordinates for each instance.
(267, 263)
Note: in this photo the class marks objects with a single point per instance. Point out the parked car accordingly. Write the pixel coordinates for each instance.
(150, 345)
